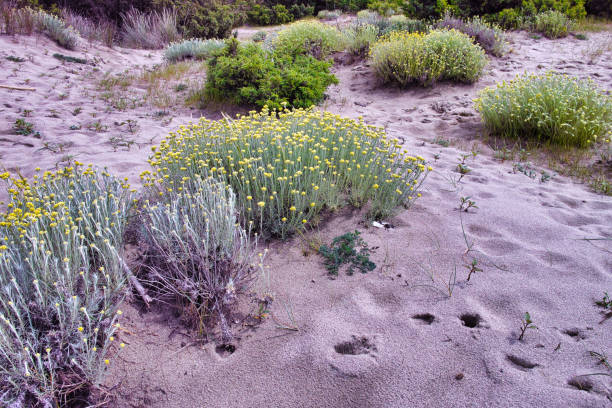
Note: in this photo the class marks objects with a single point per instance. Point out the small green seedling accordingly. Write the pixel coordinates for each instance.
(343, 251)
(606, 302)
(473, 268)
(463, 169)
(466, 204)
(180, 87)
(76, 111)
(22, 127)
(527, 323)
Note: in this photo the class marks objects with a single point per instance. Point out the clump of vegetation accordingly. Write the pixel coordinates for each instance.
(149, 30)
(343, 250)
(14, 58)
(68, 58)
(262, 15)
(197, 253)
(259, 36)
(405, 58)
(329, 14)
(250, 76)
(402, 23)
(550, 108)
(287, 167)
(359, 38)
(23, 127)
(193, 48)
(552, 24)
(56, 29)
(606, 302)
(308, 38)
(62, 277)
(490, 38)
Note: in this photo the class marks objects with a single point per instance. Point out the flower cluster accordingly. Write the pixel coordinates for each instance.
(286, 167)
(549, 107)
(61, 277)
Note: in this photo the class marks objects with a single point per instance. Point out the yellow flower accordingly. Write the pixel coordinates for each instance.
(261, 204)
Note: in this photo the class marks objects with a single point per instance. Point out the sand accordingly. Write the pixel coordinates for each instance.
(409, 341)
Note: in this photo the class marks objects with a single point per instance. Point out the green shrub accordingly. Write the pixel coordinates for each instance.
(308, 38)
(489, 37)
(509, 19)
(198, 256)
(405, 58)
(343, 251)
(386, 7)
(248, 75)
(552, 24)
(402, 23)
(214, 20)
(62, 278)
(571, 8)
(262, 15)
(358, 39)
(549, 108)
(194, 48)
(287, 167)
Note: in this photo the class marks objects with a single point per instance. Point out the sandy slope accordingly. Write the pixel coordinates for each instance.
(526, 235)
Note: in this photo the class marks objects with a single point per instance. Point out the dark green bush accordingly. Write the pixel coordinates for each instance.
(262, 15)
(599, 7)
(509, 19)
(247, 75)
(214, 21)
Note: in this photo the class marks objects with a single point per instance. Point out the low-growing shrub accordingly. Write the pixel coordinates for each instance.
(329, 14)
(197, 254)
(260, 14)
(368, 17)
(57, 30)
(259, 36)
(552, 23)
(386, 7)
(358, 38)
(247, 75)
(509, 19)
(308, 38)
(193, 48)
(149, 30)
(286, 167)
(61, 279)
(405, 58)
(402, 23)
(343, 250)
(489, 37)
(549, 108)
(211, 20)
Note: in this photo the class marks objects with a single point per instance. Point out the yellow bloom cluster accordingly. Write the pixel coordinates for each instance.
(285, 167)
(548, 107)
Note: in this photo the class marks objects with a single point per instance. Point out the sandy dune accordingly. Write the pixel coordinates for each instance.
(393, 337)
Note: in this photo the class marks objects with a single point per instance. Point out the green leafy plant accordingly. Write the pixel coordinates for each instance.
(552, 23)
(358, 38)
(404, 58)
(606, 302)
(466, 204)
(56, 29)
(473, 268)
(308, 38)
(23, 127)
(526, 323)
(349, 249)
(248, 75)
(549, 107)
(14, 58)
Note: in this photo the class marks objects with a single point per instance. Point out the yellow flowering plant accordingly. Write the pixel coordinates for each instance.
(549, 108)
(285, 167)
(61, 278)
(405, 58)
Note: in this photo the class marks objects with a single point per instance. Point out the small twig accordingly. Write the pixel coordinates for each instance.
(17, 88)
(136, 284)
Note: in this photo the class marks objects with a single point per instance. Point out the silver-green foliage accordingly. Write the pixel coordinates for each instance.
(61, 279)
(198, 254)
(57, 30)
(192, 48)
